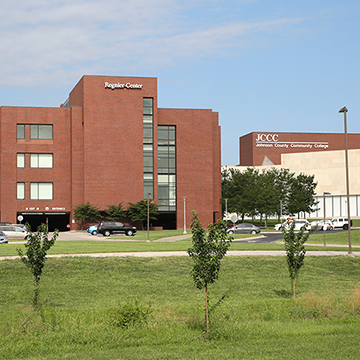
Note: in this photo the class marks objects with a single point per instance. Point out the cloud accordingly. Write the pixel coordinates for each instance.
(47, 42)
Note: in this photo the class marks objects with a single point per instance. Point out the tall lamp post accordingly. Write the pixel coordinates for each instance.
(148, 217)
(345, 110)
(325, 228)
(184, 197)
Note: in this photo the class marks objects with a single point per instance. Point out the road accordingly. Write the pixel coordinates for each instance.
(269, 237)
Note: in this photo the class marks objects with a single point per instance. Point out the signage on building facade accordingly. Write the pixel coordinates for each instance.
(272, 140)
(46, 208)
(123, 86)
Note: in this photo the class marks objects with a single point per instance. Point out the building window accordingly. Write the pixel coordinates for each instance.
(167, 167)
(148, 185)
(41, 191)
(41, 160)
(20, 160)
(20, 191)
(42, 132)
(20, 131)
(148, 106)
(148, 159)
(148, 149)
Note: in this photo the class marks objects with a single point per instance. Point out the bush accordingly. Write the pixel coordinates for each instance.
(129, 314)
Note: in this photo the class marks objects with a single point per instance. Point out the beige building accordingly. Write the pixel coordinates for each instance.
(330, 175)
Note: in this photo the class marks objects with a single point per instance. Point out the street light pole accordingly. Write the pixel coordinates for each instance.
(345, 110)
(148, 217)
(184, 197)
(325, 228)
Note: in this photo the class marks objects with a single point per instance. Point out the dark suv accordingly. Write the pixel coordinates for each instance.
(114, 227)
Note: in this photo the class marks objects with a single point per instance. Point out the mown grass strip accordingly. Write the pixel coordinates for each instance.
(258, 321)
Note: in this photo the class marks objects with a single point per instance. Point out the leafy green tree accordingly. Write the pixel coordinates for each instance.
(36, 248)
(115, 212)
(84, 212)
(240, 188)
(295, 249)
(266, 200)
(138, 212)
(206, 253)
(301, 194)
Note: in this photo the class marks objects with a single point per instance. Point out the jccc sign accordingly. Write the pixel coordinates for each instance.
(272, 140)
(267, 137)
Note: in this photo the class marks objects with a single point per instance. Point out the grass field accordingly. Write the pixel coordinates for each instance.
(259, 319)
(87, 247)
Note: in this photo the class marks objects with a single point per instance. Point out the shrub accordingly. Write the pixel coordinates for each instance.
(129, 314)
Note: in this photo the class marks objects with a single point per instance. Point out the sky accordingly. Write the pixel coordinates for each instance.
(263, 65)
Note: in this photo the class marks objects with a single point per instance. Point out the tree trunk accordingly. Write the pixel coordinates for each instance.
(294, 288)
(36, 295)
(206, 311)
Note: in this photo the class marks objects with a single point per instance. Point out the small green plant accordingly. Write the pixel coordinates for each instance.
(35, 256)
(206, 253)
(130, 314)
(295, 249)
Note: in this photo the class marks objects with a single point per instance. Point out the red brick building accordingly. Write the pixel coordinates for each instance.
(109, 143)
(264, 148)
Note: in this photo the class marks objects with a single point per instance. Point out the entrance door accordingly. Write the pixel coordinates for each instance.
(52, 220)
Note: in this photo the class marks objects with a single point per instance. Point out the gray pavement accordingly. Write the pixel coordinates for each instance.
(184, 253)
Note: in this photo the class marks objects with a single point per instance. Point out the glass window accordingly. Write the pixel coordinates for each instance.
(147, 106)
(148, 133)
(167, 167)
(148, 163)
(20, 129)
(148, 119)
(41, 191)
(44, 132)
(20, 191)
(20, 160)
(41, 160)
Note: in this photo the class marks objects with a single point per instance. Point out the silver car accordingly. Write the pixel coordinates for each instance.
(244, 228)
(14, 232)
(3, 238)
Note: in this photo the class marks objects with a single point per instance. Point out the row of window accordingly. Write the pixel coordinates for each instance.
(40, 132)
(148, 151)
(36, 160)
(38, 191)
(167, 167)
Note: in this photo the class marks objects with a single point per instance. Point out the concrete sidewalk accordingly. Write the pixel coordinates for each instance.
(184, 253)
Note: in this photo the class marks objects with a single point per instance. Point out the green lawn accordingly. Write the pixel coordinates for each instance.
(259, 319)
(336, 237)
(87, 247)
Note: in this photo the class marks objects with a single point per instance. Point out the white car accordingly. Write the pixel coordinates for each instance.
(319, 225)
(14, 232)
(300, 224)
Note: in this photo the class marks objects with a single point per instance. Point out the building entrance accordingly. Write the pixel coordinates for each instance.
(52, 220)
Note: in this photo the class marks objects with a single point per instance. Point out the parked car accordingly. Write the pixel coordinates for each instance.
(341, 223)
(300, 224)
(22, 226)
(3, 238)
(4, 223)
(244, 228)
(319, 225)
(93, 229)
(14, 232)
(106, 228)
